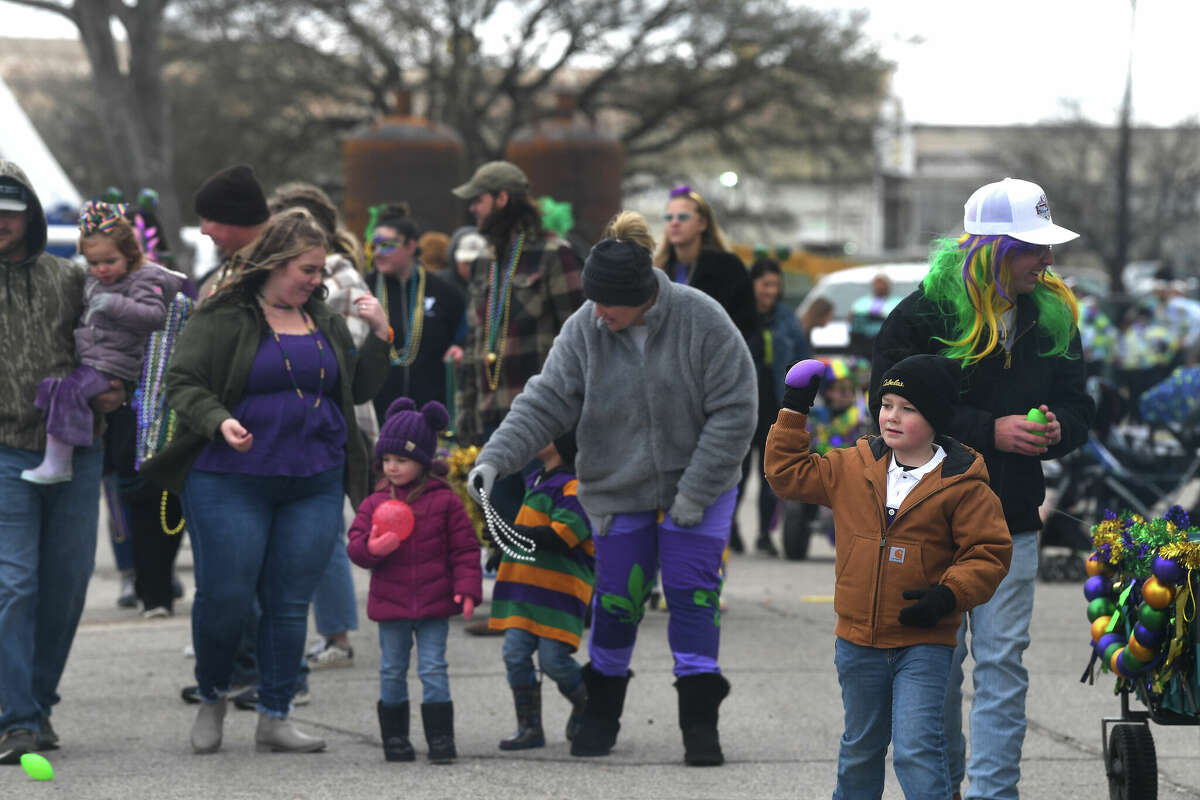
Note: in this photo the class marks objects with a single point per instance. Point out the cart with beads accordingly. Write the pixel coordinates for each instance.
(1141, 594)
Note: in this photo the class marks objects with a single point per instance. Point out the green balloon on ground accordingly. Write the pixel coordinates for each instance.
(1153, 618)
(1100, 607)
(37, 767)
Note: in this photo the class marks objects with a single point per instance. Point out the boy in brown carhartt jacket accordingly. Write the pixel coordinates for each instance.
(920, 539)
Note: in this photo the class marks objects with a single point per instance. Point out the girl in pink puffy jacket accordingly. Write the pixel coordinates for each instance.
(419, 578)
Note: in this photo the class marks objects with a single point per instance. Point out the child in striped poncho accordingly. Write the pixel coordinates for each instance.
(541, 605)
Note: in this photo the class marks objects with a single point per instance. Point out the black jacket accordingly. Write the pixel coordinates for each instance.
(997, 387)
(723, 277)
(444, 325)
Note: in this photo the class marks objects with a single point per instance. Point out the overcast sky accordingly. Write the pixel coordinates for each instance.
(988, 62)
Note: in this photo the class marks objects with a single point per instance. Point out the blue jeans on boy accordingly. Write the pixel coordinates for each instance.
(554, 658)
(899, 695)
(395, 650)
(265, 536)
(999, 635)
(47, 552)
(335, 608)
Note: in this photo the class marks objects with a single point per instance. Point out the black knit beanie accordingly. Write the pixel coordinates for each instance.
(233, 197)
(931, 383)
(618, 273)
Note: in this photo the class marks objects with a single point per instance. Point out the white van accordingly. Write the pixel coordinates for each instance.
(61, 240)
(843, 287)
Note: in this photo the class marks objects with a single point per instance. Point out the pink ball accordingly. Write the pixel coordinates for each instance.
(394, 516)
(802, 372)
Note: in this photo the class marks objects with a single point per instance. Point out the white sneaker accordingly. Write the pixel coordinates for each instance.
(332, 655)
(301, 699)
(158, 612)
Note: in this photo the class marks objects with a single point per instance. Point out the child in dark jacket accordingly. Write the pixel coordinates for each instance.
(921, 539)
(541, 605)
(419, 580)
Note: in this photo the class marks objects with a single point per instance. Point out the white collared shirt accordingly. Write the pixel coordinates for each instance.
(901, 481)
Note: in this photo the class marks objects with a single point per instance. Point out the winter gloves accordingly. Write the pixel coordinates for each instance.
(481, 476)
(932, 604)
(381, 543)
(685, 512)
(544, 538)
(801, 399)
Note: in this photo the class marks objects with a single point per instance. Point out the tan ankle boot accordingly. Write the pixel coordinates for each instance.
(206, 730)
(280, 736)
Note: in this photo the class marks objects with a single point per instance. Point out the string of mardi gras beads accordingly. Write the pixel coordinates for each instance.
(150, 397)
(162, 505)
(516, 545)
(416, 317)
(287, 362)
(497, 322)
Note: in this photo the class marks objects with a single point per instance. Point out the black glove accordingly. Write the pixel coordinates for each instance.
(544, 537)
(495, 554)
(801, 399)
(932, 604)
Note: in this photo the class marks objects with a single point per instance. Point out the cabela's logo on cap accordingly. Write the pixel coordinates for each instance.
(1042, 209)
(893, 382)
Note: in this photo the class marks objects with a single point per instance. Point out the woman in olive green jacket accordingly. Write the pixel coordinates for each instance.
(264, 379)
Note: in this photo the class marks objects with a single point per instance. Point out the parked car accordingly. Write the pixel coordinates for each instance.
(843, 287)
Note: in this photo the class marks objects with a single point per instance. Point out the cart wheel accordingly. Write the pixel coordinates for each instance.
(1132, 766)
(796, 532)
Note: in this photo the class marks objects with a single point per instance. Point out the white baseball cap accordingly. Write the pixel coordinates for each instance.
(1016, 208)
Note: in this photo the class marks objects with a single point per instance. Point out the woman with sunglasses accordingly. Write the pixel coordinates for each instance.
(425, 311)
(694, 252)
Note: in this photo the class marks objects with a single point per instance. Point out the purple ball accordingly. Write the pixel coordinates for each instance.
(1108, 639)
(1096, 587)
(1147, 637)
(802, 372)
(1168, 572)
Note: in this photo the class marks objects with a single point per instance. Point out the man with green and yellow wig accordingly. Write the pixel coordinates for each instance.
(992, 301)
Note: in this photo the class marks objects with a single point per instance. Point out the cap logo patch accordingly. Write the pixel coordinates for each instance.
(1042, 209)
(409, 446)
(893, 382)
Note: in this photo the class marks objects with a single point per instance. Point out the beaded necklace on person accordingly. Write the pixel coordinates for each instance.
(416, 316)
(287, 361)
(498, 302)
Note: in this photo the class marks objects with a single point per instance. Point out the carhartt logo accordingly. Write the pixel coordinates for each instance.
(896, 554)
(894, 382)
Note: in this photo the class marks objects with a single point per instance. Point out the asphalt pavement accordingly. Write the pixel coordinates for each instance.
(124, 730)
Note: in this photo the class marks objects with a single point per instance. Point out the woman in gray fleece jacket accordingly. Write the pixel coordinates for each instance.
(663, 389)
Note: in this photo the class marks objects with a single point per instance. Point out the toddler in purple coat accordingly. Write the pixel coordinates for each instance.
(127, 299)
(419, 580)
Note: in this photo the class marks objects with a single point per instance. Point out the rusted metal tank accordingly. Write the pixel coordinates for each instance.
(406, 158)
(572, 160)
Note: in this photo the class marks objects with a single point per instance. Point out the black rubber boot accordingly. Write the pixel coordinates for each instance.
(528, 702)
(699, 697)
(393, 729)
(578, 700)
(601, 714)
(438, 719)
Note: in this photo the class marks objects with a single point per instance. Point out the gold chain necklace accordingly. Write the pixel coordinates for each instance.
(416, 318)
(497, 320)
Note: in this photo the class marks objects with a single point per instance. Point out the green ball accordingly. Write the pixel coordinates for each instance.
(37, 767)
(1151, 617)
(1100, 607)
(1036, 415)
(1112, 648)
(1131, 663)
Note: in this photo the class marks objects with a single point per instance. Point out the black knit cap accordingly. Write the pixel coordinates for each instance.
(618, 273)
(233, 197)
(931, 383)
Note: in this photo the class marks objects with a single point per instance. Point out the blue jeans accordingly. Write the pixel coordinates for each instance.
(335, 608)
(47, 552)
(395, 649)
(898, 695)
(999, 635)
(554, 657)
(265, 536)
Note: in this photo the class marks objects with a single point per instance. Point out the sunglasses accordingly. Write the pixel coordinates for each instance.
(682, 216)
(385, 246)
(1039, 250)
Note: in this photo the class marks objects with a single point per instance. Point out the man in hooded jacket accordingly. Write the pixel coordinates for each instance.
(47, 532)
